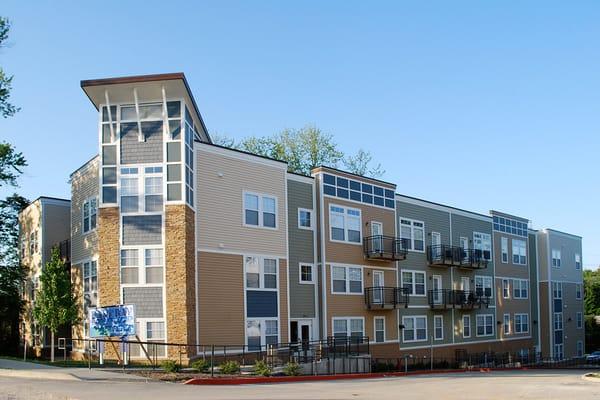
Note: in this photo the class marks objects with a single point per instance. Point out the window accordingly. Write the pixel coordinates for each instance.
(505, 289)
(577, 261)
(578, 291)
(509, 225)
(346, 280)
(346, 327)
(304, 218)
(519, 251)
(558, 321)
(483, 286)
(153, 193)
(379, 329)
(141, 190)
(520, 288)
(260, 210)
(521, 323)
(261, 273)
(504, 245)
(149, 270)
(90, 210)
(33, 242)
(345, 224)
(556, 258)
(415, 329)
(506, 324)
(559, 351)
(414, 281)
(306, 273)
(438, 327)
(484, 324)
(579, 348)
(153, 262)
(261, 332)
(90, 285)
(129, 193)
(482, 242)
(557, 290)
(579, 319)
(412, 234)
(466, 326)
(129, 266)
(345, 188)
(155, 330)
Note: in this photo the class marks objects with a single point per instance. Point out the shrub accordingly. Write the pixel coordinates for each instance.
(170, 366)
(292, 369)
(262, 368)
(201, 365)
(379, 366)
(230, 367)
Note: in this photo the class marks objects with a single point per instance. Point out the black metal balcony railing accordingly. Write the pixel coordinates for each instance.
(456, 256)
(385, 297)
(446, 298)
(384, 248)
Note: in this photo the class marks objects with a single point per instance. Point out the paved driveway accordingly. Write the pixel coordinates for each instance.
(487, 386)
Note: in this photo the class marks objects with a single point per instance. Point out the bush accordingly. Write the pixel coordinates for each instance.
(170, 366)
(262, 368)
(379, 366)
(201, 365)
(292, 369)
(230, 367)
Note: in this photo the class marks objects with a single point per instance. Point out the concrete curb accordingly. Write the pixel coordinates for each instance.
(589, 378)
(35, 374)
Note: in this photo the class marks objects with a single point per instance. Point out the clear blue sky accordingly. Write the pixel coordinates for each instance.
(481, 105)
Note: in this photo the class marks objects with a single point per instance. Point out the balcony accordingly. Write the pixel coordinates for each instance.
(377, 298)
(443, 255)
(385, 248)
(443, 299)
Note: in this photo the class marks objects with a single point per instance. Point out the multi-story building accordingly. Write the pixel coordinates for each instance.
(43, 225)
(216, 246)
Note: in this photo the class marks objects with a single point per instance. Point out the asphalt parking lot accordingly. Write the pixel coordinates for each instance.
(493, 385)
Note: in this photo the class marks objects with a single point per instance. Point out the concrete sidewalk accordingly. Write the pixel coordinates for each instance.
(21, 369)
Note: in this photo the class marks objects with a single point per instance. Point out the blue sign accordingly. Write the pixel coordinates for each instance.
(113, 321)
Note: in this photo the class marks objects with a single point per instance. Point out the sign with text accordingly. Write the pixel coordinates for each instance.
(113, 321)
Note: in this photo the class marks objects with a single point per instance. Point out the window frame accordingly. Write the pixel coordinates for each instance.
(505, 288)
(438, 317)
(579, 348)
(88, 201)
(485, 279)
(521, 246)
(466, 316)
(414, 281)
(311, 213)
(89, 277)
(312, 273)
(345, 217)
(579, 320)
(347, 279)
(578, 291)
(263, 331)
(504, 250)
(375, 330)
(260, 210)
(414, 330)
(141, 266)
(506, 325)
(486, 239)
(518, 286)
(261, 273)
(411, 240)
(577, 261)
(348, 325)
(520, 316)
(556, 255)
(485, 325)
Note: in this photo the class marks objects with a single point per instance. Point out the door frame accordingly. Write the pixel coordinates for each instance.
(304, 321)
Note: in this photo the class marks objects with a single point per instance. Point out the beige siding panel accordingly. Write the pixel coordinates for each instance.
(29, 222)
(222, 179)
(221, 298)
(84, 185)
(353, 253)
(509, 269)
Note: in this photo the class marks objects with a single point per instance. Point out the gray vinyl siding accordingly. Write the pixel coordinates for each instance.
(142, 230)
(301, 249)
(134, 151)
(533, 287)
(56, 225)
(568, 246)
(463, 226)
(147, 301)
(84, 185)
(261, 304)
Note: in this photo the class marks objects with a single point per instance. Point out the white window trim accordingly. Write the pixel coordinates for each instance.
(261, 273)
(346, 241)
(521, 282)
(347, 292)
(414, 317)
(579, 345)
(521, 315)
(503, 241)
(312, 224)
(312, 274)
(260, 210)
(88, 200)
(477, 326)
(489, 240)
(412, 234)
(505, 325)
(348, 324)
(577, 319)
(508, 288)
(523, 241)
(438, 317)
(414, 272)
(467, 316)
(262, 322)
(141, 265)
(484, 279)
(559, 258)
(375, 329)
(578, 291)
(577, 261)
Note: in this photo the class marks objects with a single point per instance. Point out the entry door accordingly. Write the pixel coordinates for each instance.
(465, 284)
(437, 289)
(436, 248)
(377, 233)
(464, 243)
(378, 285)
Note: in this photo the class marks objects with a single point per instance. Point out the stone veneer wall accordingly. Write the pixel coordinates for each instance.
(180, 264)
(77, 290)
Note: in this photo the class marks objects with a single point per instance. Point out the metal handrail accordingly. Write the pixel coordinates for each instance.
(384, 247)
(380, 297)
(443, 254)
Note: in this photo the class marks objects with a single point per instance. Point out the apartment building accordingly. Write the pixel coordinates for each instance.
(218, 246)
(43, 225)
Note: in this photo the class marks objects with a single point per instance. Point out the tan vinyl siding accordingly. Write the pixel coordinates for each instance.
(222, 179)
(221, 298)
(84, 185)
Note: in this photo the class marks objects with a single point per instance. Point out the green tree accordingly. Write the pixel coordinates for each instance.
(11, 164)
(360, 164)
(55, 304)
(591, 288)
(6, 108)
